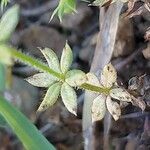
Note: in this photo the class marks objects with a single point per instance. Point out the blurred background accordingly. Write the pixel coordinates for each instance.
(131, 56)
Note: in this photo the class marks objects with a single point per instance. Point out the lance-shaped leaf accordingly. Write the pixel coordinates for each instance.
(113, 108)
(120, 94)
(75, 77)
(42, 80)
(4, 3)
(92, 79)
(99, 108)
(69, 98)
(66, 58)
(8, 23)
(108, 75)
(51, 58)
(51, 96)
(102, 2)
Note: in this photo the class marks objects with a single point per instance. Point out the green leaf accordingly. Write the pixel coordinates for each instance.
(69, 6)
(5, 55)
(42, 80)
(50, 97)
(75, 77)
(8, 23)
(28, 134)
(69, 98)
(52, 59)
(64, 7)
(4, 4)
(99, 108)
(66, 59)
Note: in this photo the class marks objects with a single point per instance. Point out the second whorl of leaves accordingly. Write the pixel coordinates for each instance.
(56, 87)
(105, 102)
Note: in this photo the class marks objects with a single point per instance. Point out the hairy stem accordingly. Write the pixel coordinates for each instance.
(35, 63)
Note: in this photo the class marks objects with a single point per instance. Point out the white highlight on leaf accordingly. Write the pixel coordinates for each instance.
(113, 107)
(120, 94)
(51, 58)
(51, 96)
(92, 79)
(8, 23)
(102, 2)
(138, 102)
(108, 76)
(69, 98)
(98, 108)
(5, 55)
(66, 58)
(42, 80)
(75, 77)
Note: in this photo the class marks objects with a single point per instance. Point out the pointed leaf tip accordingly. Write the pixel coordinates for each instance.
(66, 58)
(108, 75)
(51, 58)
(69, 98)
(9, 22)
(113, 108)
(64, 7)
(99, 108)
(50, 97)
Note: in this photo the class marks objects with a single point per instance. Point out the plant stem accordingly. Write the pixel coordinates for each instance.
(94, 88)
(43, 67)
(35, 63)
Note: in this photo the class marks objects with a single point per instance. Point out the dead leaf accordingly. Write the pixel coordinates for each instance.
(136, 10)
(69, 98)
(113, 107)
(136, 7)
(139, 103)
(98, 108)
(108, 76)
(120, 94)
(147, 5)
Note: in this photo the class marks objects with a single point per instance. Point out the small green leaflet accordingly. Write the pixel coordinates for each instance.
(8, 23)
(4, 4)
(64, 7)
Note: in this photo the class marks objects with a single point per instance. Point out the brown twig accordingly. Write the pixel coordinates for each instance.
(104, 49)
